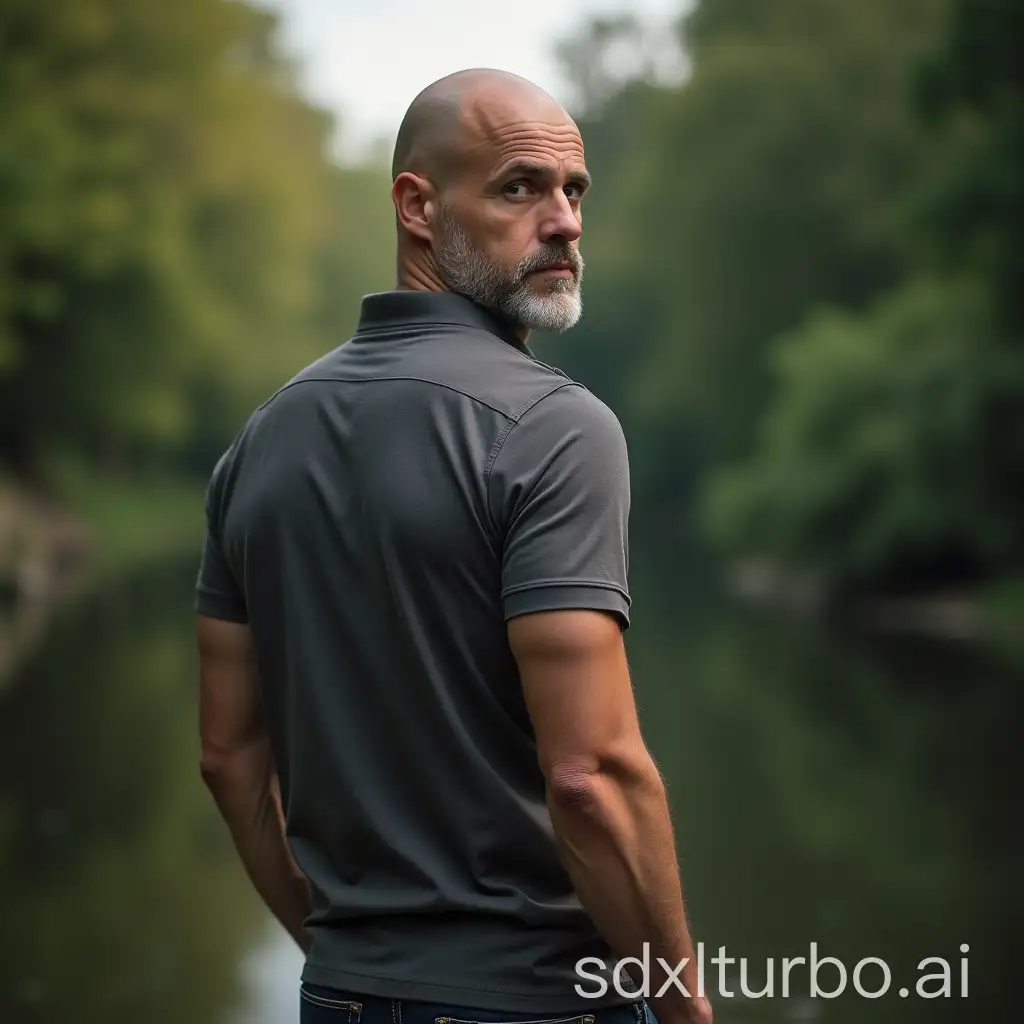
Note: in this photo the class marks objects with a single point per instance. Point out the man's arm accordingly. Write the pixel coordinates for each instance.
(606, 796)
(238, 767)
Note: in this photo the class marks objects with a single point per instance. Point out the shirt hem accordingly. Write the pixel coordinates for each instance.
(503, 999)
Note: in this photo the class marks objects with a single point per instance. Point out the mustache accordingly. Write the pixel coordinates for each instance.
(548, 257)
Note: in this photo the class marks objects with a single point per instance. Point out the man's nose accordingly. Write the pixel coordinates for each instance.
(560, 220)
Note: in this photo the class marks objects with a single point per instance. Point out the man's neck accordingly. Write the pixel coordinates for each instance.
(413, 278)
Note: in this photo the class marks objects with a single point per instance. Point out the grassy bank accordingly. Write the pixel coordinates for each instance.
(87, 529)
(132, 520)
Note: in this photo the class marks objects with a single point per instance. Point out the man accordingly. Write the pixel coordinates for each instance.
(416, 712)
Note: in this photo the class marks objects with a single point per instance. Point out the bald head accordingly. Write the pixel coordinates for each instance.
(489, 174)
(458, 113)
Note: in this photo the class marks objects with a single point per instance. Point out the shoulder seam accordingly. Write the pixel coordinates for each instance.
(499, 442)
(518, 415)
(376, 380)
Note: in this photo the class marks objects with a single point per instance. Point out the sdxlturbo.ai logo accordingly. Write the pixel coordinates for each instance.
(868, 972)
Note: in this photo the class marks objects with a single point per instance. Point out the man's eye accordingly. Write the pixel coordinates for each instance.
(573, 191)
(516, 188)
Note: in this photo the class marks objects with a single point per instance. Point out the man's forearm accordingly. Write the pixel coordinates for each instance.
(616, 836)
(245, 788)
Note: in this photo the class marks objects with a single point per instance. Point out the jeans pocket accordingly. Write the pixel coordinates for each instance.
(579, 1018)
(348, 1010)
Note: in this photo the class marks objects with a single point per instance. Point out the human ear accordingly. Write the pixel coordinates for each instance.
(415, 204)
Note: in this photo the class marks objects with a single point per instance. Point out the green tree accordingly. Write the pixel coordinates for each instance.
(168, 208)
(774, 179)
(885, 452)
(973, 91)
(894, 443)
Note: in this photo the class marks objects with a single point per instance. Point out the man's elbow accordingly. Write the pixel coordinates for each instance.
(573, 784)
(587, 784)
(243, 767)
(216, 770)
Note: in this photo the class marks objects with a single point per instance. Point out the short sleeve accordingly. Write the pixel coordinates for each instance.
(218, 594)
(559, 490)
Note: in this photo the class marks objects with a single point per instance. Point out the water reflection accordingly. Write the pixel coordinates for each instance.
(121, 900)
(827, 787)
(842, 789)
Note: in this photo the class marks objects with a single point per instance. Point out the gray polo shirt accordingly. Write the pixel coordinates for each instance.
(376, 522)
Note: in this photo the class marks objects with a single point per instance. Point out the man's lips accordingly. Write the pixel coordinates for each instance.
(562, 269)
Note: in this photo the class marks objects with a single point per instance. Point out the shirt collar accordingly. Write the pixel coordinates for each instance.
(383, 310)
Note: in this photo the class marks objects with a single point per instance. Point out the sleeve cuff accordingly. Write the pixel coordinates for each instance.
(544, 597)
(217, 606)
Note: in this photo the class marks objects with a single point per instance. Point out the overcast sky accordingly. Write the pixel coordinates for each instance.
(367, 59)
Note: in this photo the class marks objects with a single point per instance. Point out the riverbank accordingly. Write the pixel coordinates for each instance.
(133, 520)
(992, 614)
(88, 528)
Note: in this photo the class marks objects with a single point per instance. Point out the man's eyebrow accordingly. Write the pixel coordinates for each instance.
(529, 169)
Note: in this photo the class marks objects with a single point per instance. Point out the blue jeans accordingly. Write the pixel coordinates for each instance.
(330, 1006)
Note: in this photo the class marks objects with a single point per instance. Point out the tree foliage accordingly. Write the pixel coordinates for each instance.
(885, 450)
(805, 286)
(169, 217)
(894, 443)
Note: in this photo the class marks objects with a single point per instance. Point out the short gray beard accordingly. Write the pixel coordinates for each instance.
(506, 291)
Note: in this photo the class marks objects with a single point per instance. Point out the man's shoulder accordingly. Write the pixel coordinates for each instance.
(573, 404)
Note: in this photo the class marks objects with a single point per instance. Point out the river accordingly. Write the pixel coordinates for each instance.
(854, 791)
